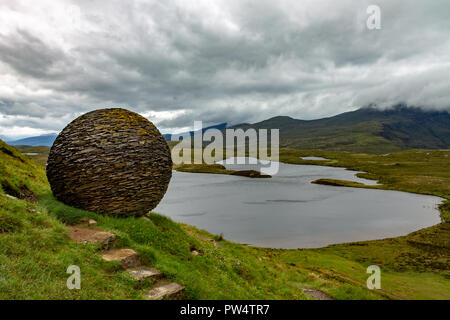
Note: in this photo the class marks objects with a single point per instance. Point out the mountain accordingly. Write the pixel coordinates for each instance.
(220, 126)
(48, 139)
(44, 140)
(368, 129)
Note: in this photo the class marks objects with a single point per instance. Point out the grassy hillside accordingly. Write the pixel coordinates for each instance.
(35, 252)
(366, 130)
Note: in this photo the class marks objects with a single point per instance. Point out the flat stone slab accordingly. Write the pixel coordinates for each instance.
(127, 257)
(196, 252)
(164, 290)
(143, 272)
(90, 235)
(11, 197)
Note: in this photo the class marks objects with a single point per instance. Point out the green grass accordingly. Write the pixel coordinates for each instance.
(344, 183)
(35, 250)
(363, 137)
(38, 154)
(202, 168)
(418, 171)
(34, 247)
(218, 169)
(365, 130)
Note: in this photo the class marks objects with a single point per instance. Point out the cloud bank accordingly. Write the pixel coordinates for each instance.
(216, 61)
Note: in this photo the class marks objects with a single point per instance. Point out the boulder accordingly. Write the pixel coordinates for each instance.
(110, 161)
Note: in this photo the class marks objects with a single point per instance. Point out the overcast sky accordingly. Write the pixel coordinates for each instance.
(216, 61)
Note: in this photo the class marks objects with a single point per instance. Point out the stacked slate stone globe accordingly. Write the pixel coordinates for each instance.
(110, 161)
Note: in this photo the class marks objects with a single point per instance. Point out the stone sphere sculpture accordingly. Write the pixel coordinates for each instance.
(110, 161)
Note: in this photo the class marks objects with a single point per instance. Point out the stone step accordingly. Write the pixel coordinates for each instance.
(164, 290)
(196, 252)
(143, 272)
(85, 234)
(127, 257)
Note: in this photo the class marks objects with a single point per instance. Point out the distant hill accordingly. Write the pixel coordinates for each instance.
(220, 126)
(44, 140)
(48, 139)
(367, 130)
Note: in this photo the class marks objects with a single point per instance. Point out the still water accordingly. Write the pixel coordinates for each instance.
(288, 211)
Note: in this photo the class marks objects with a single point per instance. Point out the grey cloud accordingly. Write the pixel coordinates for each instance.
(430, 89)
(225, 61)
(28, 55)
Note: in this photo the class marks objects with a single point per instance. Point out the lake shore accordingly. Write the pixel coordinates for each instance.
(288, 211)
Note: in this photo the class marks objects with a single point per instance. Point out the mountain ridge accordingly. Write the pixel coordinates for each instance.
(42, 140)
(220, 126)
(366, 129)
